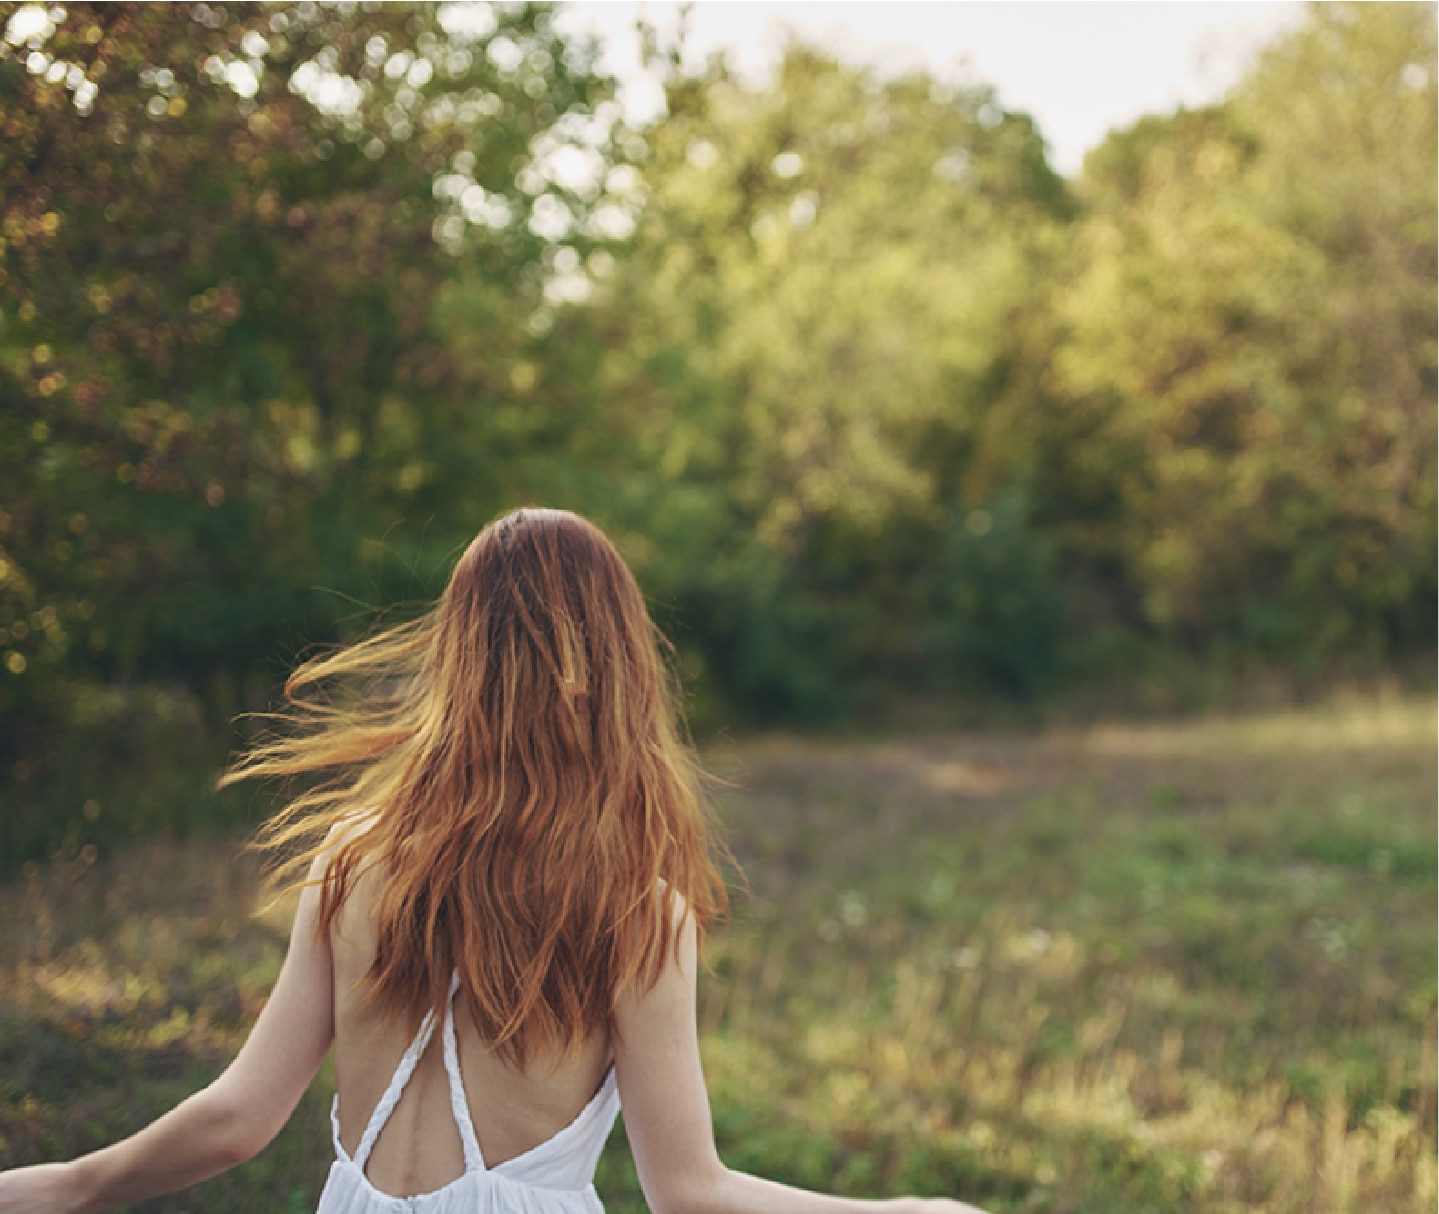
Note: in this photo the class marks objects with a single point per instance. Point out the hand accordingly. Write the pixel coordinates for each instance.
(919, 1205)
(44, 1189)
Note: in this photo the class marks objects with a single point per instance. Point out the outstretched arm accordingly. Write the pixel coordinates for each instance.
(667, 1115)
(228, 1122)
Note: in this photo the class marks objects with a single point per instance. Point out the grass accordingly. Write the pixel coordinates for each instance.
(1088, 971)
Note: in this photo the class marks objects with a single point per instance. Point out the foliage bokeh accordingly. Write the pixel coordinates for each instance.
(294, 297)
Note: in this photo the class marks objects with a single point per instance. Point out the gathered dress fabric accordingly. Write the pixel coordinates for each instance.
(556, 1177)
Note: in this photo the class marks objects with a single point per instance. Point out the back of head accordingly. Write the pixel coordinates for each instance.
(545, 657)
(530, 808)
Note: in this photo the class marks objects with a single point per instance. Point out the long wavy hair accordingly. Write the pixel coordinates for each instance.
(511, 768)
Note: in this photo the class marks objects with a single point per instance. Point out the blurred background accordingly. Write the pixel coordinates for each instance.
(938, 399)
(883, 409)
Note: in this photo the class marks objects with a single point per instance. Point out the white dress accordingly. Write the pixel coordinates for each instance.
(556, 1177)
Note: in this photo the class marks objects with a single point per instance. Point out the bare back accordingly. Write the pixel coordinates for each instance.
(419, 1149)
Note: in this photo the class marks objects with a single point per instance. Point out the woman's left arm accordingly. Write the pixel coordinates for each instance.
(228, 1122)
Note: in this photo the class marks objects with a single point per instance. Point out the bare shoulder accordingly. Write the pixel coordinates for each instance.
(349, 829)
(352, 826)
(678, 903)
(351, 920)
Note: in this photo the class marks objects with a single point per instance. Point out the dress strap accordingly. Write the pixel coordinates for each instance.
(474, 1161)
(408, 1061)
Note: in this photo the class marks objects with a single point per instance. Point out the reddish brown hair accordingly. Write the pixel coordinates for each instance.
(526, 798)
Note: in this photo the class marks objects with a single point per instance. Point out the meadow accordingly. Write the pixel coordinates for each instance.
(1099, 969)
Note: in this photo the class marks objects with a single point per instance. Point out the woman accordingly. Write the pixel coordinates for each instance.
(504, 880)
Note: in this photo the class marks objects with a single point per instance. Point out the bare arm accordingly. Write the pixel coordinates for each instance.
(228, 1122)
(667, 1116)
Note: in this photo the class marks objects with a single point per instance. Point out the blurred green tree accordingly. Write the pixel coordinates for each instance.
(225, 233)
(224, 370)
(805, 342)
(1243, 424)
(294, 295)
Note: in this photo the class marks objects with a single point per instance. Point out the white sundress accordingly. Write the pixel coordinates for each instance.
(556, 1177)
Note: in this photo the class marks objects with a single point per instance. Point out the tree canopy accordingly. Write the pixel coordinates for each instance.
(294, 297)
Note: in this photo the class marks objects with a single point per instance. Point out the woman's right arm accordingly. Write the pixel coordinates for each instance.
(667, 1115)
(224, 1124)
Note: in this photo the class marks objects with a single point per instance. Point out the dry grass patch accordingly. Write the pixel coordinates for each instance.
(1181, 966)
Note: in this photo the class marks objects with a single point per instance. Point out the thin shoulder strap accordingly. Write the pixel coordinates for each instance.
(474, 1161)
(408, 1061)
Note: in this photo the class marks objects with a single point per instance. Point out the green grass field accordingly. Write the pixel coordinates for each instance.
(1184, 966)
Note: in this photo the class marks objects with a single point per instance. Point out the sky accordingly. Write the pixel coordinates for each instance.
(1080, 69)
